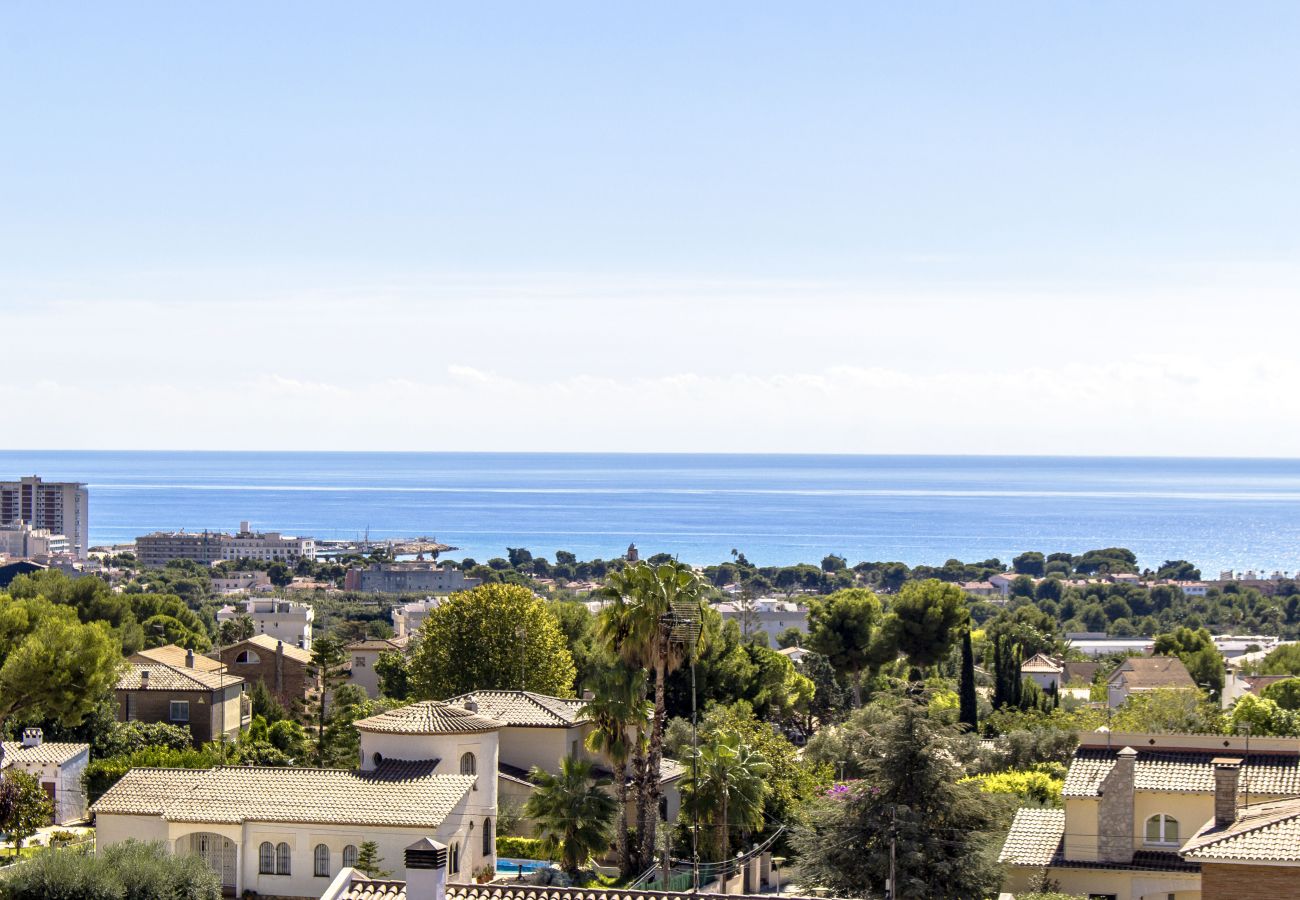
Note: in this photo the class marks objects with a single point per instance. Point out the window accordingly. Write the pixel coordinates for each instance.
(349, 856)
(266, 859)
(180, 711)
(467, 766)
(282, 859)
(247, 658)
(488, 844)
(1162, 830)
(453, 859)
(321, 861)
(358, 662)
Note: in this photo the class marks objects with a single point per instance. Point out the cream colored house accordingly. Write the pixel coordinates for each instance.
(1131, 803)
(287, 832)
(538, 730)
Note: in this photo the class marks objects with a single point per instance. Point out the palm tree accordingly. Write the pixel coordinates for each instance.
(572, 810)
(621, 716)
(636, 626)
(725, 786)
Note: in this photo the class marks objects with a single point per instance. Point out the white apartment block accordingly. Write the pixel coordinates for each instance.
(60, 507)
(284, 620)
(156, 550)
(270, 546)
(25, 542)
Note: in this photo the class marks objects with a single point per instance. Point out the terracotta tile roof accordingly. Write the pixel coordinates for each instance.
(1144, 673)
(1034, 837)
(396, 793)
(524, 708)
(362, 888)
(170, 678)
(1190, 772)
(266, 642)
(47, 752)
(172, 655)
(428, 717)
(1263, 832)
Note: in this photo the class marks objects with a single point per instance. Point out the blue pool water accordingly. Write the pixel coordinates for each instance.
(776, 509)
(506, 866)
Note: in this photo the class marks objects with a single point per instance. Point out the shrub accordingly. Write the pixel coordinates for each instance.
(1031, 786)
(102, 774)
(127, 871)
(520, 847)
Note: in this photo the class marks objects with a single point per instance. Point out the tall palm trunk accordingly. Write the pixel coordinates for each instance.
(648, 807)
(620, 836)
(724, 834)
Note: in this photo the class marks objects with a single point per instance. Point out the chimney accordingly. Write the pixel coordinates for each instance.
(32, 737)
(1227, 776)
(189, 659)
(1115, 811)
(588, 695)
(426, 870)
(144, 678)
(471, 705)
(279, 667)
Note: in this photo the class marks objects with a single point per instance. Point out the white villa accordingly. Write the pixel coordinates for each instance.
(287, 832)
(58, 768)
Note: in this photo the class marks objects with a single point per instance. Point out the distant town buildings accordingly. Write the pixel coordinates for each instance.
(408, 617)
(156, 550)
(23, 541)
(362, 656)
(242, 583)
(284, 620)
(407, 578)
(59, 507)
(771, 615)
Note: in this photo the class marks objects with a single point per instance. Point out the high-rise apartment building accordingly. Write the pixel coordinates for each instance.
(61, 507)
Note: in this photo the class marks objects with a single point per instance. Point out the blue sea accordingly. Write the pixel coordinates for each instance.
(776, 509)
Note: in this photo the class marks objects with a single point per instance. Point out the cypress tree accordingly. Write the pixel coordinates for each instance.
(969, 708)
(999, 680)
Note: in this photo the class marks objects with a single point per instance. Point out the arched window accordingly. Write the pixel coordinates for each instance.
(488, 845)
(247, 658)
(1162, 830)
(349, 856)
(266, 859)
(282, 859)
(453, 860)
(467, 764)
(321, 861)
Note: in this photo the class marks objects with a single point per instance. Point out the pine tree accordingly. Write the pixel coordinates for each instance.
(969, 712)
(369, 860)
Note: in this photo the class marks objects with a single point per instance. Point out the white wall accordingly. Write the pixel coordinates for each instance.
(69, 795)
(113, 829)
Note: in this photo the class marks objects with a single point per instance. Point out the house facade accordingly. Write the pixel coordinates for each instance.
(1131, 802)
(362, 656)
(1249, 853)
(209, 704)
(537, 730)
(284, 620)
(57, 766)
(285, 669)
(426, 773)
(1147, 673)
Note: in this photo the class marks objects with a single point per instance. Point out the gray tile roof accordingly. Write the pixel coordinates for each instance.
(1034, 837)
(429, 717)
(1263, 832)
(163, 677)
(524, 708)
(396, 793)
(1190, 772)
(47, 752)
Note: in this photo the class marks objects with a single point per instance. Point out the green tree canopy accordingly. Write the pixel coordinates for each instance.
(51, 665)
(1285, 693)
(910, 788)
(494, 637)
(125, 871)
(840, 627)
(925, 620)
(725, 785)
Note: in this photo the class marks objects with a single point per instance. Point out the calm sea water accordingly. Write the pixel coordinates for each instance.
(776, 509)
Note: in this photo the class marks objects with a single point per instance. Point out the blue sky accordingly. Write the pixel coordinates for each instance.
(897, 219)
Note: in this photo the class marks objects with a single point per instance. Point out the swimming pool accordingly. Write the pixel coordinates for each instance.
(507, 866)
